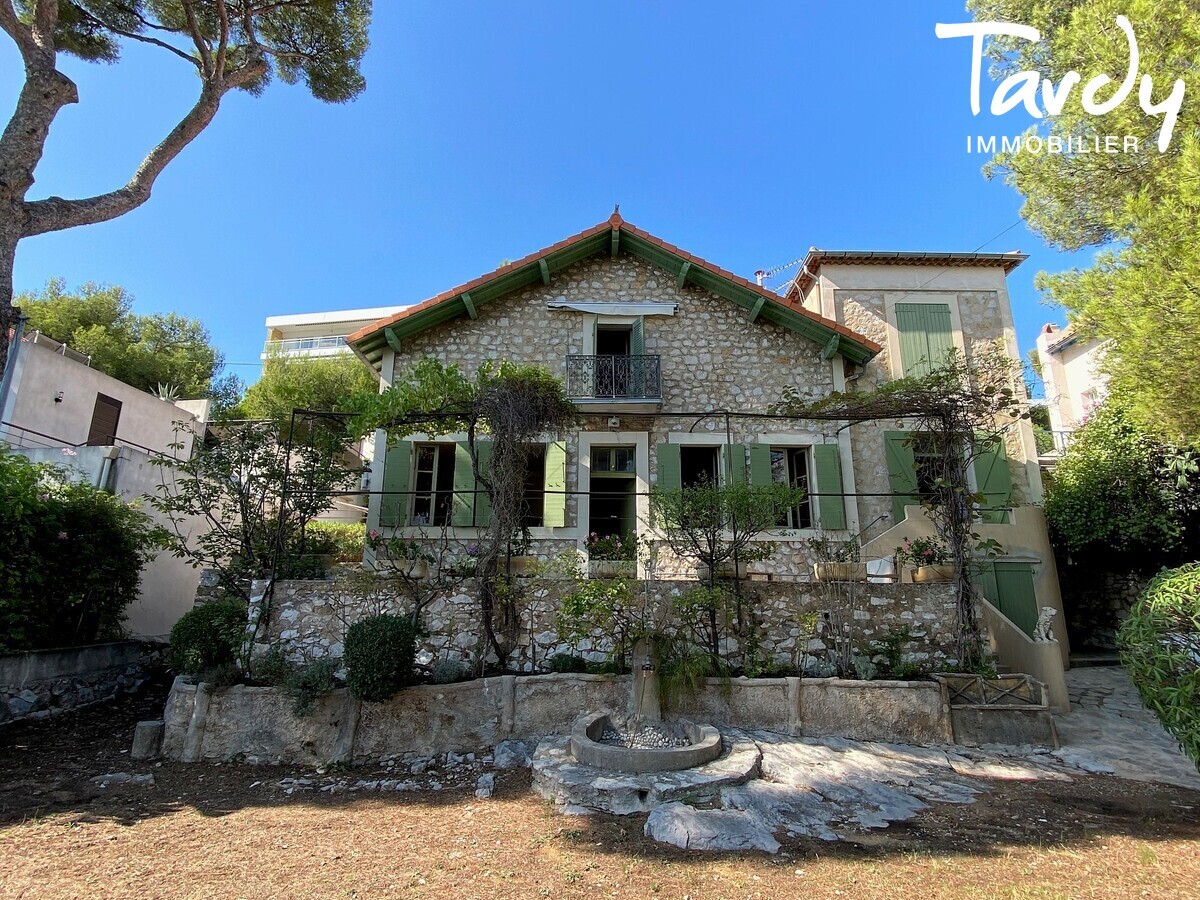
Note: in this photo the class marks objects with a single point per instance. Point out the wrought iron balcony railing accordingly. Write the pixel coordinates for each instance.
(614, 378)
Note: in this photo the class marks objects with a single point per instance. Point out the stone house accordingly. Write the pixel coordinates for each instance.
(656, 345)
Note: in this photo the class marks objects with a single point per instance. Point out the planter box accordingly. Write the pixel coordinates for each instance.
(933, 574)
(521, 565)
(612, 568)
(725, 570)
(839, 571)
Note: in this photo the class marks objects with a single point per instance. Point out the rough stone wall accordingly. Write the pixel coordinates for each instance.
(711, 359)
(46, 683)
(311, 618)
(1096, 602)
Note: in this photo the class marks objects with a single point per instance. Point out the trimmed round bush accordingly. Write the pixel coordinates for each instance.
(208, 637)
(1160, 648)
(380, 656)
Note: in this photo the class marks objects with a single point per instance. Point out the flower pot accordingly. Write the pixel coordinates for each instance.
(727, 569)
(839, 571)
(940, 574)
(612, 568)
(521, 565)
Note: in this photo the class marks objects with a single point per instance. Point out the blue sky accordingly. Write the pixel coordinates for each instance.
(744, 133)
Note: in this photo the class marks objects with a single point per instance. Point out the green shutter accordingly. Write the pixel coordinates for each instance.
(994, 481)
(669, 472)
(760, 465)
(397, 463)
(902, 472)
(554, 503)
(831, 510)
(483, 501)
(465, 496)
(926, 336)
(1015, 594)
(735, 463)
(637, 337)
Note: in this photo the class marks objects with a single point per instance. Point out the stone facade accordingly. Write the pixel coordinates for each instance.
(311, 617)
(46, 683)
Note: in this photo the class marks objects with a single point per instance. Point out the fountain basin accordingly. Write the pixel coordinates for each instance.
(704, 745)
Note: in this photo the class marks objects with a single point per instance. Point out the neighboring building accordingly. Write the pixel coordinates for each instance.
(648, 339)
(319, 334)
(1071, 373)
(60, 410)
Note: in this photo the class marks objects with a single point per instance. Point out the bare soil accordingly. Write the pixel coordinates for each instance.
(231, 831)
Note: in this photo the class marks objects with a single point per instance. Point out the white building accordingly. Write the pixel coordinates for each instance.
(1071, 373)
(321, 333)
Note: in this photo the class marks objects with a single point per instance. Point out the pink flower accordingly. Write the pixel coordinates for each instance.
(62, 535)
(374, 534)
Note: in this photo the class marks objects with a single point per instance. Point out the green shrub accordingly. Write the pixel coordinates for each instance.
(566, 662)
(70, 557)
(343, 540)
(380, 654)
(448, 671)
(207, 637)
(1160, 648)
(273, 667)
(308, 683)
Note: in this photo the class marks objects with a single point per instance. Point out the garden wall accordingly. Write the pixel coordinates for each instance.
(44, 683)
(1097, 601)
(311, 617)
(256, 725)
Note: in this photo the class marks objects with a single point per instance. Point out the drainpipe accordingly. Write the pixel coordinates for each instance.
(10, 368)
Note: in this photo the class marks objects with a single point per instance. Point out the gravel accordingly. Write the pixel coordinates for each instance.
(648, 737)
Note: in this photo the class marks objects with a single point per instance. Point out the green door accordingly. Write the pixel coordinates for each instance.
(1008, 586)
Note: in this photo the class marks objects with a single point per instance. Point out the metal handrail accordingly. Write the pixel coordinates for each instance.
(614, 377)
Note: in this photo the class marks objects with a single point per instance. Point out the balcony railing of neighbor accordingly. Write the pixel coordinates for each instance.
(295, 345)
(614, 378)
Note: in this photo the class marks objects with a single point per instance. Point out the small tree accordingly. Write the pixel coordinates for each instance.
(253, 494)
(961, 410)
(323, 383)
(717, 524)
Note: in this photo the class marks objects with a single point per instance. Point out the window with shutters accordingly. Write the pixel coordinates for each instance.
(433, 484)
(534, 499)
(926, 335)
(698, 465)
(789, 465)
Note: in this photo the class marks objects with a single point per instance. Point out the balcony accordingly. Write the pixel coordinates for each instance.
(331, 345)
(615, 383)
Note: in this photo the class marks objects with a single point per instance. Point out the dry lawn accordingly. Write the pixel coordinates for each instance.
(209, 831)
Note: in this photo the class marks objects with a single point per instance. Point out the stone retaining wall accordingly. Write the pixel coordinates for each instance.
(44, 683)
(256, 725)
(311, 618)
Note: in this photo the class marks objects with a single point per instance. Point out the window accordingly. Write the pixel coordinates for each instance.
(789, 465)
(105, 416)
(926, 336)
(534, 500)
(621, 460)
(613, 491)
(697, 466)
(927, 464)
(433, 484)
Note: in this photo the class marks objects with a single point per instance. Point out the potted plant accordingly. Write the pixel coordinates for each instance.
(928, 558)
(406, 558)
(612, 555)
(520, 560)
(837, 560)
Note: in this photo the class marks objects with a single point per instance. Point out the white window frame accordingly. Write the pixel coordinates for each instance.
(640, 441)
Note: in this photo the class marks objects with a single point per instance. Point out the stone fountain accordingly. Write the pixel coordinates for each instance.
(634, 762)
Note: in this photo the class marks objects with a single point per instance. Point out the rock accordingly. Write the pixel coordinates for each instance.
(708, 829)
(484, 786)
(22, 703)
(420, 765)
(123, 778)
(511, 755)
(147, 739)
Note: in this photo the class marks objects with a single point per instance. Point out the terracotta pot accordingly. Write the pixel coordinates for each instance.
(839, 571)
(416, 568)
(941, 574)
(612, 568)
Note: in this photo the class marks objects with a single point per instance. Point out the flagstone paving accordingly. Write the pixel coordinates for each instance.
(1109, 730)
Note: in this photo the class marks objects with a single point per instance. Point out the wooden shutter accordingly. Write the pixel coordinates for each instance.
(105, 416)
(926, 336)
(831, 510)
(397, 466)
(902, 472)
(554, 505)
(735, 463)
(462, 514)
(760, 465)
(637, 337)
(669, 472)
(1009, 587)
(994, 481)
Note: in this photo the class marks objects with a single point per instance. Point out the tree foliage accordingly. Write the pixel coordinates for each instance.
(228, 44)
(70, 559)
(1140, 208)
(1160, 648)
(1121, 497)
(146, 351)
(328, 384)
